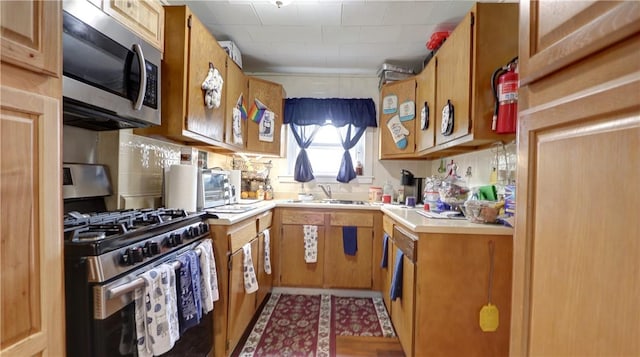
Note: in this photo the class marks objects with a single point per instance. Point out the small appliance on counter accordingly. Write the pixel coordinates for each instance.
(412, 185)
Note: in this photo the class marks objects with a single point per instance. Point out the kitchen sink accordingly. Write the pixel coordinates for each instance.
(331, 201)
(344, 202)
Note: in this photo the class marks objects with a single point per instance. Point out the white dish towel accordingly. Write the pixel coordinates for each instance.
(250, 280)
(156, 312)
(267, 251)
(208, 275)
(310, 243)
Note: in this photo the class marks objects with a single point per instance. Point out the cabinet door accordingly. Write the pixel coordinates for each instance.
(144, 17)
(265, 281)
(237, 85)
(402, 309)
(294, 270)
(203, 52)
(242, 306)
(32, 301)
(453, 72)
(426, 100)
(271, 95)
(347, 271)
(575, 265)
(559, 33)
(28, 40)
(392, 96)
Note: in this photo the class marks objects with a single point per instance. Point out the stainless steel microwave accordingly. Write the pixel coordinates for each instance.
(111, 75)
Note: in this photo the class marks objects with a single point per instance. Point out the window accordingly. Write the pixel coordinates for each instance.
(325, 153)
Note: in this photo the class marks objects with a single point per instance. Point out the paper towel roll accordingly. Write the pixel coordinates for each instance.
(181, 188)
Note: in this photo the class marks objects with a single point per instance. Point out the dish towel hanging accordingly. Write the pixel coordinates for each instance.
(189, 295)
(157, 328)
(385, 251)
(350, 240)
(310, 243)
(250, 281)
(267, 251)
(396, 280)
(209, 276)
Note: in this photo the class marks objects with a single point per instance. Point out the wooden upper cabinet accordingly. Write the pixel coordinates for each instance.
(454, 80)
(554, 34)
(271, 95)
(28, 38)
(485, 40)
(144, 17)
(426, 98)
(190, 50)
(392, 97)
(237, 85)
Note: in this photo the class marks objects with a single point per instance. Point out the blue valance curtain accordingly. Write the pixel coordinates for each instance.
(339, 112)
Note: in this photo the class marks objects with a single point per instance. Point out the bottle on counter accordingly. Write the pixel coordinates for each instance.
(260, 193)
(268, 190)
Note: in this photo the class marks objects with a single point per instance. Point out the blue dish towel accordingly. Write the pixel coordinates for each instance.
(396, 280)
(385, 251)
(189, 294)
(350, 240)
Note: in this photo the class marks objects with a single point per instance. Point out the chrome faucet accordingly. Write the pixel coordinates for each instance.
(326, 189)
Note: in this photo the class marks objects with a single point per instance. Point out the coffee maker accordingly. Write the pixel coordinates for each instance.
(412, 185)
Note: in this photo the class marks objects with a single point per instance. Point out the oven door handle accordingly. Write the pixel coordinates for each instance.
(134, 284)
(119, 290)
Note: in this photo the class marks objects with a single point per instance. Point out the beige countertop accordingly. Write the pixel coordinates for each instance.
(401, 214)
(409, 218)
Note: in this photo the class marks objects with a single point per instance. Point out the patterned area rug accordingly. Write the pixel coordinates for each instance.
(353, 316)
(306, 325)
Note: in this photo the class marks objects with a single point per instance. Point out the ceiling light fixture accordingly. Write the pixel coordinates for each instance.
(281, 3)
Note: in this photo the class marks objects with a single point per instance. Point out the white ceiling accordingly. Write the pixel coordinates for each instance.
(325, 36)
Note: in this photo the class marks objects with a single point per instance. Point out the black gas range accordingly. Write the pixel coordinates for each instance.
(105, 254)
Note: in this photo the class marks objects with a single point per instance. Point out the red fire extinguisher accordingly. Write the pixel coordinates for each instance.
(504, 83)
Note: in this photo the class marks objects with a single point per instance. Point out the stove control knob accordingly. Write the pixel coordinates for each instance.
(151, 248)
(174, 240)
(126, 258)
(203, 228)
(192, 232)
(136, 254)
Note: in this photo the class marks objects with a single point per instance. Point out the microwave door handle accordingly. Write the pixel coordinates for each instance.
(137, 105)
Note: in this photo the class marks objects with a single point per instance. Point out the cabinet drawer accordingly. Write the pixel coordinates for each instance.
(242, 236)
(387, 225)
(293, 217)
(352, 219)
(406, 242)
(264, 221)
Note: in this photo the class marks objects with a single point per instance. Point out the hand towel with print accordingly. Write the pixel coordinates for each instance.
(189, 295)
(396, 280)
(385, 251)
(209, 275)
(157, 325)
(250, 280)
(350, 240)
(310, 243)
(267, 251)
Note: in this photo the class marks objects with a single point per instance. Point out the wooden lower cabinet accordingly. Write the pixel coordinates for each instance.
(235, 309)
(294, 270)
(242, 306)
(347, 271)
(445, 284)
(334, 268)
